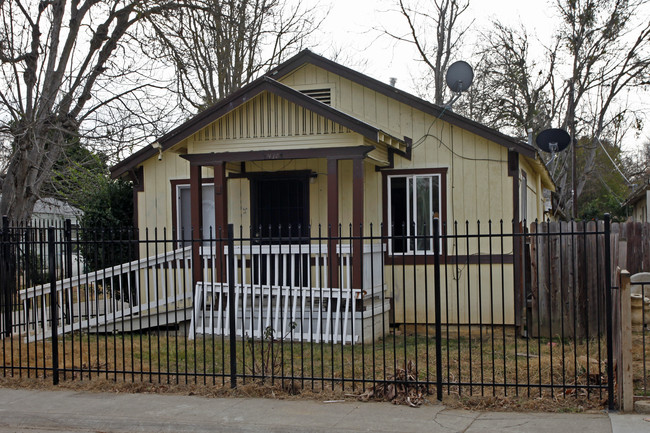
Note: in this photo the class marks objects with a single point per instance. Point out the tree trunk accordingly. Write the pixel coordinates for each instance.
(30, 165)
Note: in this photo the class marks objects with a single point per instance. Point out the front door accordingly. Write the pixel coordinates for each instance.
(280, 218)
(280, 206)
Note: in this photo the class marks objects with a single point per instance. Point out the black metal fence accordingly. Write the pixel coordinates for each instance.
(485, 309)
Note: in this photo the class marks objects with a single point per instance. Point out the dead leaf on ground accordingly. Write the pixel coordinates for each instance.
(400, 388)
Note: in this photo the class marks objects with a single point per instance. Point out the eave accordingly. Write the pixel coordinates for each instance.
(240, 97)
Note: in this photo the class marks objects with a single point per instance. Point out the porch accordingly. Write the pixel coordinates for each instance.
(285, 291)
(279, 291)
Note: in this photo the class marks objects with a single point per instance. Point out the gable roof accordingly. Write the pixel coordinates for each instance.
(308, 57)
(269, 82)
(636, 195)
(242, 96)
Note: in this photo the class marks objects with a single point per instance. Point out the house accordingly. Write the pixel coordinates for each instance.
(52, 211)
(49, 210)
(334, 162)
(639, 202)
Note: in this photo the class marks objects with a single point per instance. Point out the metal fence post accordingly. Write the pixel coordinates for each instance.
(67, 237)
(231, 306)
(5, 289)
(51, 252)
(436, 261)
(608, 310)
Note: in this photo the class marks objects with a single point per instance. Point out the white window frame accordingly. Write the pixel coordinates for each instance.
(412, 198)
(204, 198)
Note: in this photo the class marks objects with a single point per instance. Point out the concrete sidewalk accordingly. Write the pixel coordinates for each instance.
(35, 410)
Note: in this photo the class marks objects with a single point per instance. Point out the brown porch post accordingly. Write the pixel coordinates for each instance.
(196, 213)
(220, 216)
(357, 222)
(333, 218)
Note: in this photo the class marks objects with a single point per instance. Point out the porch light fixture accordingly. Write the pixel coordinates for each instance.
(157, 145)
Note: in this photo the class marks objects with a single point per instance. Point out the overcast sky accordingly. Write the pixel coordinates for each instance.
(349, 28)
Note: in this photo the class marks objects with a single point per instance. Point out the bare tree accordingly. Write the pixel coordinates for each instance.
(511, 91)
(68, 73)
(441, 19)
(599, 52)
(608, 53)
(219, 46)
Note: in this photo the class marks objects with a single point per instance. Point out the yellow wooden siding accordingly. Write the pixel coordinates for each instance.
(534, 200)
(478, 182)
(155, 201)
(640, 210)
(477, 296)
(266, 116)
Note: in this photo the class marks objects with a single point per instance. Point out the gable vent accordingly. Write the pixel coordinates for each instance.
(322, 95)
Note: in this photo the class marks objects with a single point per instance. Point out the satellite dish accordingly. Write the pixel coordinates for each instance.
(553, 140)
(459, 76)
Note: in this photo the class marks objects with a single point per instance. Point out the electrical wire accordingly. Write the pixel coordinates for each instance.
(613, 163)
(422, 139)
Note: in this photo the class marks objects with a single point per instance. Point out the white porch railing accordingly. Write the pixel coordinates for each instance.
(108, 295)
(284, 290)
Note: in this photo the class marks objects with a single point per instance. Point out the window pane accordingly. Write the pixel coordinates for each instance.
(185, 217)
(423, 212)
(414, 203)
(398, 214)
(185, 230)
(207, 203)
(436, 196)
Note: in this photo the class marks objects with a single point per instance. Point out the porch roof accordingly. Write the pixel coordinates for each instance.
(245, 94)
(350, 152)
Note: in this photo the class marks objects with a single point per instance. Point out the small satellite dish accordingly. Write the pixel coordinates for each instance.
(553, 140)
(459, 76)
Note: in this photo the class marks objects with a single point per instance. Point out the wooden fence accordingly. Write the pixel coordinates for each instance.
(630, 247)
(565, 281)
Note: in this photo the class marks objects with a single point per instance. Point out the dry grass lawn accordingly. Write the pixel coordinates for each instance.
(508, 370)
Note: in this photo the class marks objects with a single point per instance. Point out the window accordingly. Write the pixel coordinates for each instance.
(413, 202)
(184, 213)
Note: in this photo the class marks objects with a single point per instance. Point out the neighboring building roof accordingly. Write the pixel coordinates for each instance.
(52, 206)
(636, 195)
(269, 83)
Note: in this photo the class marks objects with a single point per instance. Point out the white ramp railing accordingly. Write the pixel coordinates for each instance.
(108, 295)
